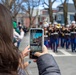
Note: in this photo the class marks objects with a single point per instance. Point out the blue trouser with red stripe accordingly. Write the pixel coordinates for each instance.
(62, 42)
(73, 44)
(67, 41)
(55, 44)
(51, 42)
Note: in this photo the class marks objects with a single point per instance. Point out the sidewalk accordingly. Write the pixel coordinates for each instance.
(24, 42)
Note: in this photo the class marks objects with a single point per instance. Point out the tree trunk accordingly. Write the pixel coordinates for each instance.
(75, 9)
(74, 4)
(65, 10)
(50, 11)
(30, 22)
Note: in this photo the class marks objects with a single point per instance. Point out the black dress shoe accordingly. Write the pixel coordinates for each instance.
(56, 51)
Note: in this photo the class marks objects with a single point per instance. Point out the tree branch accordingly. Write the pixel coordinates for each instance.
(46, 4)
(35, 16)
(74, 4)
(11, 2)
(3, 1)
(53, 1)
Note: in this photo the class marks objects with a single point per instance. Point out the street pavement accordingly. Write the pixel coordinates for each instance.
(64, 58)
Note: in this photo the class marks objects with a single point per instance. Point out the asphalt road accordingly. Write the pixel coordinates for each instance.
(65, 59)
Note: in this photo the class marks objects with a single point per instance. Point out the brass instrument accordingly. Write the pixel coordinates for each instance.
(63, 28)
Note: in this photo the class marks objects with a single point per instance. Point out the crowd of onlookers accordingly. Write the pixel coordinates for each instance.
(18, 33)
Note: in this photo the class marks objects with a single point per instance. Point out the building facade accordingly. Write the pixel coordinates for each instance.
(71, 13)
(24, 18)
(58, 14)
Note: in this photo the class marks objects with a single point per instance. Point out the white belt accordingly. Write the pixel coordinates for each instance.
(52, 34)
(55, 33)
(45, 35)
(73, 32)
(67, 34)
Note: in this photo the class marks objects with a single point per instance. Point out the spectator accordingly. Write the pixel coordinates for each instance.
(9, 54)
(18, 33)
(19, 25)
(15, 27)
(9, 58)
(18, 37)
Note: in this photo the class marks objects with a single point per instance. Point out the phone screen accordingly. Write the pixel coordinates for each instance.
(36, 37)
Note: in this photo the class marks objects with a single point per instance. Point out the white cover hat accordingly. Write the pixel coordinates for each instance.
(55, 23)
(45, 24)
(73, 22)
(67, 25)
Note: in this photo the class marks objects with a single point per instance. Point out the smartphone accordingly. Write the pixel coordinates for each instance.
(36, 41)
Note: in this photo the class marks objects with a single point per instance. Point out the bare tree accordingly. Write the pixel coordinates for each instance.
(74, 1)
(30, 8)
(13, 5)
(7, 3)
(65, 10)
(16, 7)
(50, 10)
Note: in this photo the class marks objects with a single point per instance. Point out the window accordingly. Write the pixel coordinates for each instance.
(58, 17)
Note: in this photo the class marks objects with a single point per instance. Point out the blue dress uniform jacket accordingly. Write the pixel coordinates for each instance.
(47, 65)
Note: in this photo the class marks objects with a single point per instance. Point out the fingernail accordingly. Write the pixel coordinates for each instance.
(28, 48)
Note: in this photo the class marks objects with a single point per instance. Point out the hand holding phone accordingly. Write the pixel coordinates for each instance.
(36, 41)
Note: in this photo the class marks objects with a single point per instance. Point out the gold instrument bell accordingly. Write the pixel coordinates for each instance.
(58, 26)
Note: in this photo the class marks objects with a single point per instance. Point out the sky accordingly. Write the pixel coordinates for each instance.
(57, 3)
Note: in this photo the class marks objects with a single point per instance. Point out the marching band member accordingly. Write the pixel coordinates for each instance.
(45, 26)
(50, 35)
(62, 36)
(67, 36)
(73, 34)
(75, 38)
(55, 38)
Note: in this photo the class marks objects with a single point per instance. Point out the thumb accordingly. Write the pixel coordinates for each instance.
(45, 49)
(37, 54)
